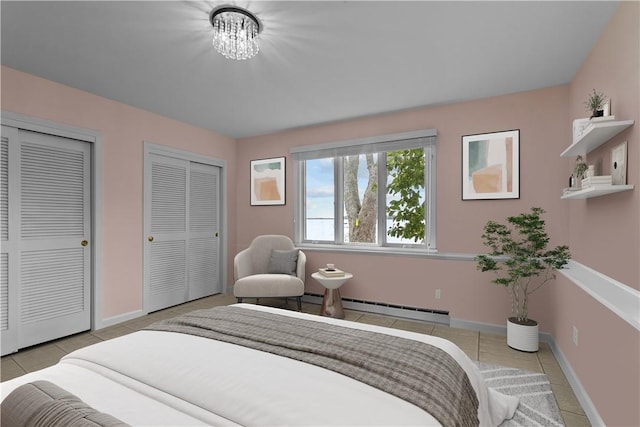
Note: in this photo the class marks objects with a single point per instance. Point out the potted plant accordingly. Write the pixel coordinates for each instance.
(579, 170)
(595, 104)
(520, 258)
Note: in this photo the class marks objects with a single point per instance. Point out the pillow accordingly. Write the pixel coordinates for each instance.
(283, 262)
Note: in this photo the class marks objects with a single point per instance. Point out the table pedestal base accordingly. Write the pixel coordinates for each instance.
(332, 304)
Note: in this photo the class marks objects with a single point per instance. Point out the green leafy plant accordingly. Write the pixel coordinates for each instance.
(595, 102)
(406, 170)
(520, 258)
(580, 169)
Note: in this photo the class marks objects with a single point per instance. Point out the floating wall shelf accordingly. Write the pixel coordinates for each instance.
(596, 134)
(595, 191)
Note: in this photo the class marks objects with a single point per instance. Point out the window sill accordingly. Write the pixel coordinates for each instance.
(386, 250)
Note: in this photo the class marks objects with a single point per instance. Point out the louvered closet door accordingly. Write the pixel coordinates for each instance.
(203, 252)
(8, 252)
(54, 234)
(166, 230)
(182, 246)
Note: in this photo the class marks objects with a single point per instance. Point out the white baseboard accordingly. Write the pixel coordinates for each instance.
(581, 394)
(110, 321)
(488, 328)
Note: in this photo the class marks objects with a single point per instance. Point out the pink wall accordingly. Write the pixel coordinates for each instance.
(604, 233)
(542, 119)
(611, 223)
(123, 129)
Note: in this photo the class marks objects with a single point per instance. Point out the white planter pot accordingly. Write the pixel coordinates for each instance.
(522, 337)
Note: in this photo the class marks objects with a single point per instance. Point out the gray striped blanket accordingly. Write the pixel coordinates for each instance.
(419, 373)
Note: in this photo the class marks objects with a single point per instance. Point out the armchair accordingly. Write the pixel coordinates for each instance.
(270, 267)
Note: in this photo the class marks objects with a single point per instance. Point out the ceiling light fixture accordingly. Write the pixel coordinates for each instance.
(235, 32)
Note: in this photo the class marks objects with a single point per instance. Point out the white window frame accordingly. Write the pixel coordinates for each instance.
(382, 144)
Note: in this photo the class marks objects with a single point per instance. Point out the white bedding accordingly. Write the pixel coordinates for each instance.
(158, 378)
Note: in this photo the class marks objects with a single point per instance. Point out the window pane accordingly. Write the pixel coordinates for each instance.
(319, 200)
(361, 198)
(405, 197)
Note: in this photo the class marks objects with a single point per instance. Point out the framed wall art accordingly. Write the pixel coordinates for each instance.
(491, 166)
(619, 164)
(268, 181)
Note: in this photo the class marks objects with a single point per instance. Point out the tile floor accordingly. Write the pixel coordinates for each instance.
(480, 346)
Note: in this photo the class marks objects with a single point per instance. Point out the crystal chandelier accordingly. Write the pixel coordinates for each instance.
(235, 32)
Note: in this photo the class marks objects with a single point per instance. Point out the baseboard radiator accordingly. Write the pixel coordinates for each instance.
(403, 311)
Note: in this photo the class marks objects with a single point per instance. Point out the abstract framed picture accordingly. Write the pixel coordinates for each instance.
(268, 182)
(491, 166)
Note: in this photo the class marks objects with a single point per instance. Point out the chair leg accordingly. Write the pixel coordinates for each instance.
(299, 299)
(257, 301)
(239, 300)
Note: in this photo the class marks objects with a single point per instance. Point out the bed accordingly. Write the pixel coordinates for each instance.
(167, 377)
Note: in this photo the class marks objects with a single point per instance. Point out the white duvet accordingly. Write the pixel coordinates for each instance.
(153, 378)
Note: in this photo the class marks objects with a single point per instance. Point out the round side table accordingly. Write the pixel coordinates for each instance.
(332, 302)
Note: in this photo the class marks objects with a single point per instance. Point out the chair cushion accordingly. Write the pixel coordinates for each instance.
(268, 285)
(283, 262)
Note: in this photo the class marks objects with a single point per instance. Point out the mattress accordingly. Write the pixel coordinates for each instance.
(155, 378)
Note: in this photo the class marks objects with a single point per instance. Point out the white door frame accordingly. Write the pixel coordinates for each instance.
(163, 150)
(21, 121)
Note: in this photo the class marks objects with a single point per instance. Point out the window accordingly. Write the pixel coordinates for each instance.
(376, 192)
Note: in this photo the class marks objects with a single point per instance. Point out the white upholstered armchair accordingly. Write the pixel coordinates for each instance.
(271, 267)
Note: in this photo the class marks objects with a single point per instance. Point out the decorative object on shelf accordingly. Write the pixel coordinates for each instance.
(579, 126)
(268, 181)
(520, 249)
(591, 171)
(235, 32)
(619, 164)
(595, 104)
(596, 180)
(491, 165)
(580, 168)
(606, 109)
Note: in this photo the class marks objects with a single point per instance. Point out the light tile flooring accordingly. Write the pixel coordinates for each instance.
(486, 348)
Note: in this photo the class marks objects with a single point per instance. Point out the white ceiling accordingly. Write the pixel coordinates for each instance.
(318, 62)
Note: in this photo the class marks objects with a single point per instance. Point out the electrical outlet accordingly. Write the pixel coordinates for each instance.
(438, 293)
(575, 335)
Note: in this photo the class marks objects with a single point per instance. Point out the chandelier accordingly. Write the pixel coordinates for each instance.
(235, 32)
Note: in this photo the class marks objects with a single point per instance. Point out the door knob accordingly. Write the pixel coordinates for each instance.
(150, 238)
(84, 243)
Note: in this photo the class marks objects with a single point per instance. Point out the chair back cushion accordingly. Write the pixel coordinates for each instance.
(261, 248)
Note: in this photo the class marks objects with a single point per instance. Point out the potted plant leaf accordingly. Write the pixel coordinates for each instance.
(595, 104)
(520, 258)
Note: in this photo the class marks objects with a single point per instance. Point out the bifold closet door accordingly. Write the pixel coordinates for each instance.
(203, 249)
(181, 231)
(8, 298)
(48, 256)
(166, 231)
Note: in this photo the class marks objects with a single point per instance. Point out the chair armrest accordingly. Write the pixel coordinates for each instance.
(302, 259)
(242, 265)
